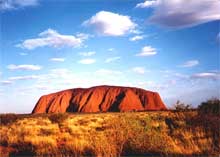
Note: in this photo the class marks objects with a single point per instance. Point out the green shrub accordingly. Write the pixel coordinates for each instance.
(179, 106)
(8, 118)
(58, 117)
(211, 106)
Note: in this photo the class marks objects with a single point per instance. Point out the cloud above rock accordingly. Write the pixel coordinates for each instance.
(147, 51)
(24, 67)
(181, 13)
(15, 4)
(52, 38)
(190, 63)
(111, 24)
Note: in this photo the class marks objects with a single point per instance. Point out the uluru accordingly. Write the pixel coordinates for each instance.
(99, 99)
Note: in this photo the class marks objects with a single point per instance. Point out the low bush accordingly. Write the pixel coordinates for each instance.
(179, 106)
(211, 106)
(7, 118)
(58, 117)
(23, 149)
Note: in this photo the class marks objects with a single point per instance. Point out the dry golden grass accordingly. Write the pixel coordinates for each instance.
(110, 134)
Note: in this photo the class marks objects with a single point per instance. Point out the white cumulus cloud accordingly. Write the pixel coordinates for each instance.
(147, 51)
(137, 37)
(190, 63)
(57, 59)
(112, 59)
(52, 38)
(24, 67)
(147, 4)
(14, 4)
(181, 13)
(207, 75)
(87, 54)
(87, 61)
(111, 24)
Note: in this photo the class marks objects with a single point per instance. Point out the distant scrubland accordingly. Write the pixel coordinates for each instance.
(162, 133)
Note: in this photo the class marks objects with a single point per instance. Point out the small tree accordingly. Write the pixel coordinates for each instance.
(179, 106)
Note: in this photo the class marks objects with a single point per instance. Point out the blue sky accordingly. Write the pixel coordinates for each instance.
(168, 46)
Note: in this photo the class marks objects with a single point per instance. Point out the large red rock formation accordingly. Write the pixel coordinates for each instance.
(100, 99)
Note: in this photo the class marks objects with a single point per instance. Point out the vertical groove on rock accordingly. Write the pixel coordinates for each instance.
(49, 104)
(103, 100)
(116, 103)
(87, 100)
(72, 107)
(141, 96)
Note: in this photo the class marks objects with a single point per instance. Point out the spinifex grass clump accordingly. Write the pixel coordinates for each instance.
(110, 134)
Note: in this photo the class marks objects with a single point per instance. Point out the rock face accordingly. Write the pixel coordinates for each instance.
(99, 99)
